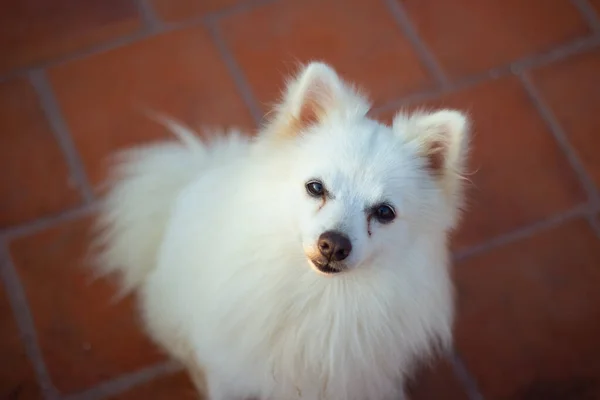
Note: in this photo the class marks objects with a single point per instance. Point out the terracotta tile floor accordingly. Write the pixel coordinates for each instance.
(74, 76)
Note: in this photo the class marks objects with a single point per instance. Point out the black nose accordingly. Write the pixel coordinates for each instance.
(334, 246)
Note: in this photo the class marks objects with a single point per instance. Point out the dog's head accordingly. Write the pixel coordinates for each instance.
(361, 191)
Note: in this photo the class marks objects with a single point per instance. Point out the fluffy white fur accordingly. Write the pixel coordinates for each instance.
(215, 238)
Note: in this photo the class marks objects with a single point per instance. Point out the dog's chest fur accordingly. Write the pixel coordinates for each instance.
(341, 341)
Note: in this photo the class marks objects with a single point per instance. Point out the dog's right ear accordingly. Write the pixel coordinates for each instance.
(316, 93)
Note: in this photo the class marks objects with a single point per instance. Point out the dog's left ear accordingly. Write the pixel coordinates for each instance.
(315, 94)
(442, 138)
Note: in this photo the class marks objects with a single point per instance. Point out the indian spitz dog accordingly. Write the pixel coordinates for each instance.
(308, 262)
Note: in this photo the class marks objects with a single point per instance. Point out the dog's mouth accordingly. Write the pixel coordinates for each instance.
(326, 267)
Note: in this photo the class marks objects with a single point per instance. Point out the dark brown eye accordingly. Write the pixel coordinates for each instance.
(384, 213)
(315, 189)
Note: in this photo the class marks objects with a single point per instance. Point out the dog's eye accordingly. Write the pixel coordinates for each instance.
(315, 189)
(384, 213)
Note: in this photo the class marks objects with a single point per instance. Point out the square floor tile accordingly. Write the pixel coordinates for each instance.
(572, 90)
(517, 174)
(181, 10)
(179, 73)
(529, 316)
(436, 380)
(36, 31)
(358, 37)
(177, 386)
(86, 337)
(471, 36)
(35, 177)
(17, 378)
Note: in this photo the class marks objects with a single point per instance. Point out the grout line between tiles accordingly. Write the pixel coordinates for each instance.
(522, 233)
(93, 50)
(22, 316)
(535, 61)
(215, 16)
(149, 16)
(127, 381)
(588, 12)
(437, 92)
(410, 32)
(554, 54)
(236, 72)
(560, 136)
(465, 377)
(152, 21)
(51, 109)
(40, 224)
(557, 53)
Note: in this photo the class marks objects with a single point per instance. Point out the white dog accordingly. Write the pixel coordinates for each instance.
(310, 262)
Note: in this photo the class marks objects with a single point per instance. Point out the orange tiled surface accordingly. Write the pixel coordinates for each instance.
(74, 77)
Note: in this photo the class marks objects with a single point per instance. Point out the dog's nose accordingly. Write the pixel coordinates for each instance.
(334, 245)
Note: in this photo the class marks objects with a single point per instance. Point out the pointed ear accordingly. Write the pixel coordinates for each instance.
(316, 93)
(441, 137)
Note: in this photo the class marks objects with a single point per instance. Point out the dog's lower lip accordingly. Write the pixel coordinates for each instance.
(326, 269)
